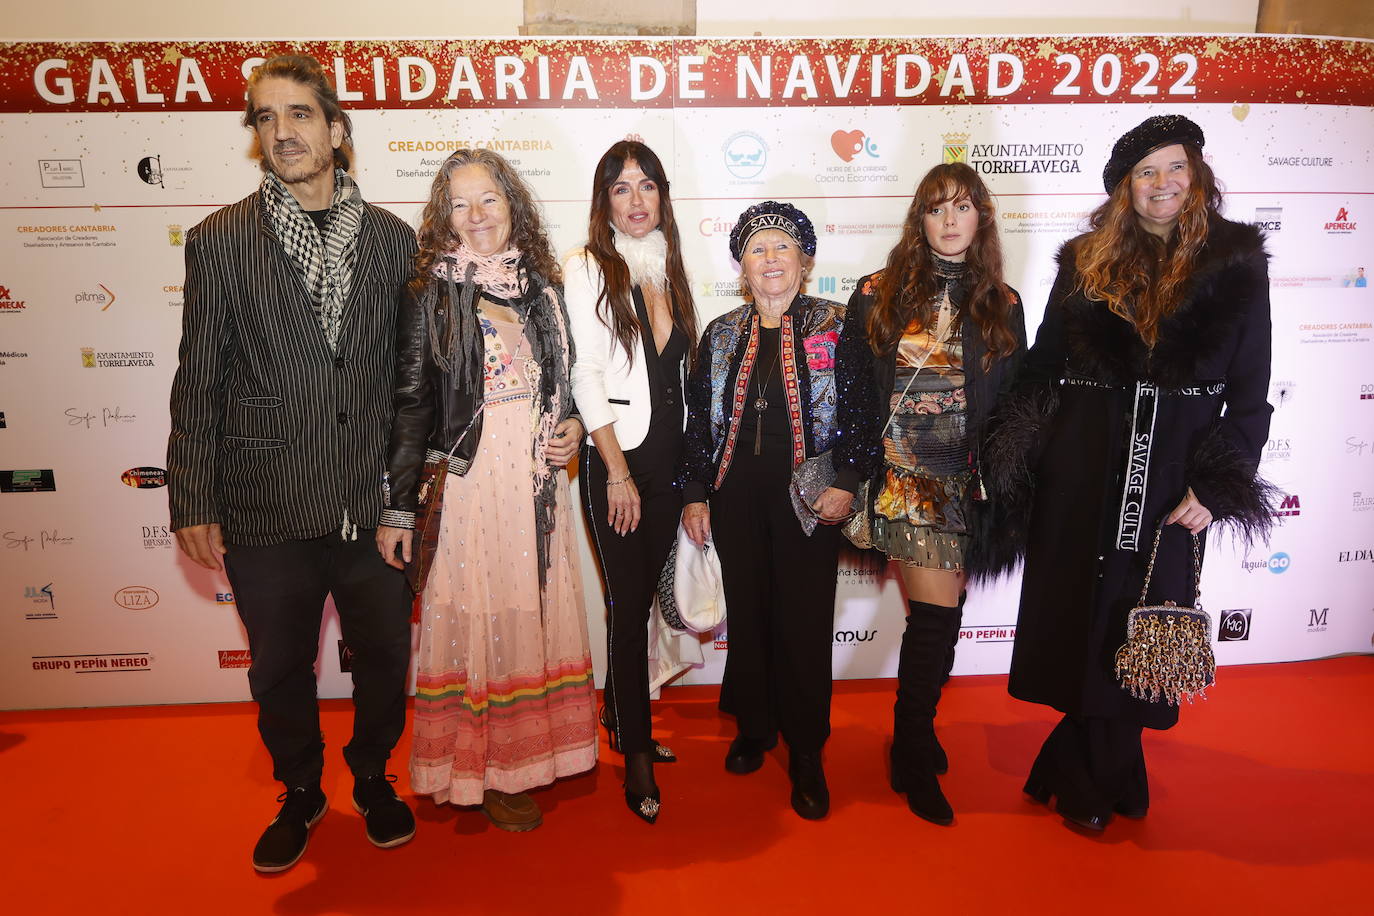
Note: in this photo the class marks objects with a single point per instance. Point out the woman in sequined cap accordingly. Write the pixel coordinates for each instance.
(781, 387)
(946, 333)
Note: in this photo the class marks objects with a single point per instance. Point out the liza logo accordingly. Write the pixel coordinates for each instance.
(820, 350)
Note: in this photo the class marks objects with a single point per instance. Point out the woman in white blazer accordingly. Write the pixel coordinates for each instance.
(634, 329)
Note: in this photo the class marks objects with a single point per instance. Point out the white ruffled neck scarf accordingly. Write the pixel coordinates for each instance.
(646, 257)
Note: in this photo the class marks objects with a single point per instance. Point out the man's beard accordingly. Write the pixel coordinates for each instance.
(303, 170)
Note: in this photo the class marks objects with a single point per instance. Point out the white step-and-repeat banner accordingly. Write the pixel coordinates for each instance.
(111, 151)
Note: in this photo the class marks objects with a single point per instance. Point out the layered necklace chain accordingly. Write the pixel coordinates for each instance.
(761, 383)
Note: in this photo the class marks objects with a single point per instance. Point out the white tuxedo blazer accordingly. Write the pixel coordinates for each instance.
(607, 385)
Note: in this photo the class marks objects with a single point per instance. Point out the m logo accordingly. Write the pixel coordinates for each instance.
(1316, 619)
(1289, 506)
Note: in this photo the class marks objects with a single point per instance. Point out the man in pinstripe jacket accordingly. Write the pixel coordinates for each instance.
(281, 409)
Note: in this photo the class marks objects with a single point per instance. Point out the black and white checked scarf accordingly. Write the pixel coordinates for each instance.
(326, 261)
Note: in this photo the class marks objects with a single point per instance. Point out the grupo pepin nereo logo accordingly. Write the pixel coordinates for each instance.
(145, 478)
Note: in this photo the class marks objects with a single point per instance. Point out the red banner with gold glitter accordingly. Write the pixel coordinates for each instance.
(696, 72)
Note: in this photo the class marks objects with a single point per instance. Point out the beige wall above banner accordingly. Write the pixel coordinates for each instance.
(113, 150)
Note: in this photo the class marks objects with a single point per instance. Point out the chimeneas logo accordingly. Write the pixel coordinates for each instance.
(136, 597)
(235, 658)
(1342, 224)
(850, 143)
(1289, 506)
(1234, 625)
(145, 478)
(1316, 619)
(745, 155)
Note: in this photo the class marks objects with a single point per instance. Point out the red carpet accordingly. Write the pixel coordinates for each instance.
(1263, 802)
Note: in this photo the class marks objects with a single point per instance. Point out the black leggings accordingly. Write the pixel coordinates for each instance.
(630, 567)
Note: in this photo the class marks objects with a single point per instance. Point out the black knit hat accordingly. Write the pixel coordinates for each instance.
(1143, 139)
(773, 215)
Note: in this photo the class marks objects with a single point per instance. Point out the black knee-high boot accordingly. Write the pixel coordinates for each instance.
(919, 673)
(953, 643)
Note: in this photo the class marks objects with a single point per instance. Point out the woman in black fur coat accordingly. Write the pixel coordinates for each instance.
(1141, 403)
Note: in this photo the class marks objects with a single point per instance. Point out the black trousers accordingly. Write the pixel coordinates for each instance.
(280, 591)
(1094, 763)
(780, 605)
(630, 568)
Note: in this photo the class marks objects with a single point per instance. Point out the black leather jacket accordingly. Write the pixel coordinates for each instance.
(432, 412)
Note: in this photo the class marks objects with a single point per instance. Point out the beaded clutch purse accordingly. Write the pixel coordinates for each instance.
(1168, 650)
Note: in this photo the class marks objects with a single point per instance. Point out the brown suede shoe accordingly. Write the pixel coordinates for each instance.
(516, 813)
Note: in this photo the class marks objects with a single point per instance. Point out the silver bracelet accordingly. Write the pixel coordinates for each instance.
(616, 483)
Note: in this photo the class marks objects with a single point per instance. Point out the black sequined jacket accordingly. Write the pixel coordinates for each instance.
(831, 403)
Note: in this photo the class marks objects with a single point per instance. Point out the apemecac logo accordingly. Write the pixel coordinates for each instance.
(1316, 619)
(1234, 625)
(1343, 224)
(9, 305)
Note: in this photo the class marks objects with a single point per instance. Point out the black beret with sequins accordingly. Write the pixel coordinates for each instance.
(1143, 139)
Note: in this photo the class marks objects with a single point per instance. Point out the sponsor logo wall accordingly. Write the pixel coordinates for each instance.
(118, 149)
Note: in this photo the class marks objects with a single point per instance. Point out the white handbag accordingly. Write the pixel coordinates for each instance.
(694, 596)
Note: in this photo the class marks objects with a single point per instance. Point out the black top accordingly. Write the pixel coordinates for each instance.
(662, 444)
(319, 217)
(766, 384)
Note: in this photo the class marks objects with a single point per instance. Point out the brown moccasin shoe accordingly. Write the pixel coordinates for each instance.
(516, 813)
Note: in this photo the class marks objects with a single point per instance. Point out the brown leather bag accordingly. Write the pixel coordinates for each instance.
(425, 541)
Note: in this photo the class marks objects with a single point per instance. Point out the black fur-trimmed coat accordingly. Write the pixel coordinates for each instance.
(1058, 458)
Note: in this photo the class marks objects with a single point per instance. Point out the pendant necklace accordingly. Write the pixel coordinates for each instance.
(760, 395)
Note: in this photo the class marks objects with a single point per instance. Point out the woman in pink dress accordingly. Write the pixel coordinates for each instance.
(504, 699)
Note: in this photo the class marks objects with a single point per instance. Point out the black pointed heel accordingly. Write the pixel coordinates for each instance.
(644, 807)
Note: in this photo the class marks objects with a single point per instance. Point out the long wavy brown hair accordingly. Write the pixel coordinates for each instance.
(1140, 276)
(526, 223)
(908, 285)
(614, 305)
